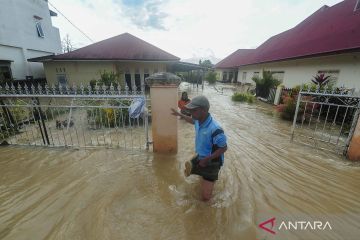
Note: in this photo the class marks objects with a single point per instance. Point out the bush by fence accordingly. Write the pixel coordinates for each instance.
(243, 97)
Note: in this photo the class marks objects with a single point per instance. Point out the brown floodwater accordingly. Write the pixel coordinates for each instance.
(64, 193)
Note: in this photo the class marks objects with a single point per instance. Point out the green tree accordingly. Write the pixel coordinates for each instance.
(211, 77)
(206, 63)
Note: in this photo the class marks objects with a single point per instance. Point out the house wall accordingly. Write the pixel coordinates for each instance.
(250, 72)
(220, 73)
(84, 71)
(19, 38)
(301, 71)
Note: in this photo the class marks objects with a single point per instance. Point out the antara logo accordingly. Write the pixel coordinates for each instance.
(272, 222)
(269, 225)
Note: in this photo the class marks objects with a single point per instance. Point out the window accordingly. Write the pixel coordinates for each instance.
(146, 74)
(279, 75)
(128, 81)
(5, 73)
(256, 74)
(244, 76)
(224, 76)
(39, 29)
(62, 80)
(231, 75)
(138, 82)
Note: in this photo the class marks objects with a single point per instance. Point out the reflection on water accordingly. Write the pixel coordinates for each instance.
(114, 194)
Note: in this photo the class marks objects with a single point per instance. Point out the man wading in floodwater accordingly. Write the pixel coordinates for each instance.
(210, 144)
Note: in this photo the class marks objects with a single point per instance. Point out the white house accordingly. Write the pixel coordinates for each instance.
(26, 31)
(328, 42)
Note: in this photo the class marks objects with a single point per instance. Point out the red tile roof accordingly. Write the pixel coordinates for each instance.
(121, 47)
(329, 30)
(237, 58)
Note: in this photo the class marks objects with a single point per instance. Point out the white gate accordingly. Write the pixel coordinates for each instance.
(326, 119)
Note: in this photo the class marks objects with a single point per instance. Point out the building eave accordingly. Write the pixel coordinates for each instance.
(342, 51)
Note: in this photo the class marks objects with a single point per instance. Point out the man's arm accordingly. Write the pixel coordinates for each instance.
(214, 155)
(186, 118)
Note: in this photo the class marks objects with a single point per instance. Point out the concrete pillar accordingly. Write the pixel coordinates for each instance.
(27, 70)
(278, 94)
(354, 146)
(164, 96)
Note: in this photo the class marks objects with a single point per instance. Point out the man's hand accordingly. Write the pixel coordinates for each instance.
(203, 162)
(174, 112)
(184, 117)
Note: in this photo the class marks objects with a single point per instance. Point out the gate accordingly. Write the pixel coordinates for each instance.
(326, 119)
(84, 116)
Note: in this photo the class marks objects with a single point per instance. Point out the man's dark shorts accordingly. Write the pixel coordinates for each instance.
(210, 172)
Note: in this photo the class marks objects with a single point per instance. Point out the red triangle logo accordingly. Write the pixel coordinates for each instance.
(272, 222)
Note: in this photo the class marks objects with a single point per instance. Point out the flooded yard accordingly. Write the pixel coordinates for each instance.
(63, 193)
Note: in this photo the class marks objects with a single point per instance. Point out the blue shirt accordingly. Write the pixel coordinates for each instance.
(208, 134)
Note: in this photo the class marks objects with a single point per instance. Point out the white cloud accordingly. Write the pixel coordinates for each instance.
(185, 28)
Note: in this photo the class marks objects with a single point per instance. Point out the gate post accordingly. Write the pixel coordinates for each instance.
(278, 94)
(353, 152)
(164, 96)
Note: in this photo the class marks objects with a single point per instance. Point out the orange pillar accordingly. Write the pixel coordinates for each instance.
(164, 96)
(354, 146)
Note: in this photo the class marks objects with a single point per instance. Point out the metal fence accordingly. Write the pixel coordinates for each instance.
(76, 116)
(326, 119)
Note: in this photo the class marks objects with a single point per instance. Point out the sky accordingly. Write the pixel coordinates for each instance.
(188, 29)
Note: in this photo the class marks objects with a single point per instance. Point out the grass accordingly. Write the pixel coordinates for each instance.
(243, 97)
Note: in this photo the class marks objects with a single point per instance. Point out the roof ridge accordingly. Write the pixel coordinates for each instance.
(123, 46)
(327, 30)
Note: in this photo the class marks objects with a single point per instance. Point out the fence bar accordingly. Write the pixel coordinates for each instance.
(342, 125)
(295, 117)
(324, 127)
(318, 118)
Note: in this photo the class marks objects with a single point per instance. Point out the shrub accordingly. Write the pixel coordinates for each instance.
(93, 83)
(243, 97)
(109, 117)
(309, 87)
(211, 77)
(264, 84)
(107, 78)
(321, 79)
(287, 109)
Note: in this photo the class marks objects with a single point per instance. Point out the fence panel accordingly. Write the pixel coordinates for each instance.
(74, 116)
